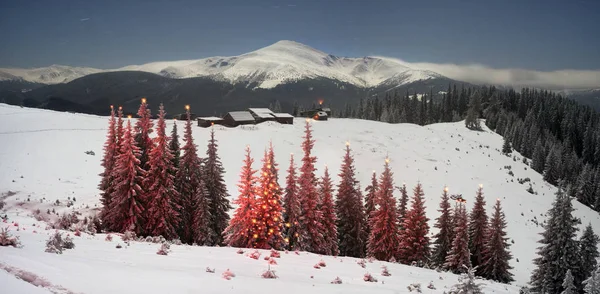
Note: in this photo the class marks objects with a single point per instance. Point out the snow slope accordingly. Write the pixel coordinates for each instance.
(270, 66)
(42, 158)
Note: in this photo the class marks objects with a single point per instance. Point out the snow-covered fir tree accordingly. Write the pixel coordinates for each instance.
(175, 147)
(383, 238)
(217, 194)
(240, 232)
(478, 225)
(143, 129)
(592, 284)
(568, 284)
(351, 219)
(108, 162)
(459, 257)
(162, 211)
(371, 190)
(291, 207)
(495, 255)
(588, 246)
(329, 217)
(443, 238)
(414, 238)
(467, 282)
(402, 204)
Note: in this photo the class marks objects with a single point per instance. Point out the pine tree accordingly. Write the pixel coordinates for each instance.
(383, 240)
(468, 284)
(267, 213)
(351, 220)
(592, 284)
(538, 160)
(588, 246)
(472, 119)
(370, 197)
(163, 218)
(174, 147)
(552, 169)
(506, 149)
(216, 192)
(240, 232)
(402, 205)
(108, 162)
(193, 196)
(143, 129)
(477, 229)
(495, 256)
(291, 205)
(329, 218)
(311, 226)
(559, 251)
(585, 186)
(443, 239)
(120, 129)
(568, 284)
(458, 259)
(414, 244)
(126, 209)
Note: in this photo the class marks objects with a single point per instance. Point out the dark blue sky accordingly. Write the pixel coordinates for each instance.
(529, 34)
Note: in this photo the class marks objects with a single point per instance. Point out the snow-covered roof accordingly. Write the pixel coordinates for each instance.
(282, 115)
(322, 113)
(326, 109)
(210, 118)
(262, 112)
(241, 116)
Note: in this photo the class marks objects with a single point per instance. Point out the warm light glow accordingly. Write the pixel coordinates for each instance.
(287, 240)
(320, 101)
(212, 123)
(480, 185)
(270, 230)
(288, 225)
(446, 189)
(187, 107)
(308, 119)
(275, 219)
(144, 100)
(174, 119)
(387, 160)
(498, 199)
(111, 107)
(129, 116)
(316, 117)
(253, 220)
(347, 143)
(120, 107)
(269, 166)
(255, 236)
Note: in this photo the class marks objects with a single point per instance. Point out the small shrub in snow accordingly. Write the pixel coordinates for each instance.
(369, 278)
(362, 263)
(56, 243)
(254, 254)
(269, 274)
(385, 272)
(209, 270)
(322, 263)
(275, 253)
(77, 233)
(267, 257)
(164, 249)
(108, 238)
(393, 260)
(240, 251)
(227, 275)
(6, 239)
(272, 261)
(68, 243)
(297, 252)
(119, 246)
(371, 259)
(466, 283)
(431, 286)
(524, 290)
(337, 280)
(128, 236)
(316, 266)
(415, 287)
(148, 239)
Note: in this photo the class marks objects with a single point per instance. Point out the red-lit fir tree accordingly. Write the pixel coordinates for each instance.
(240, 233)
(351, 219)
(119, 127)
(370, 197)
(126, 209)
(383, 240)
(478, 225)
(459, 256)
(108, 162)
(443, 238)
(163, 218)
(329, 218)
(414, 244)
(143, 129)
(192, 201)
(291, 208)
(175, 147)
(216, 192)
(495, 256)
(311, 219)
(402, 205)
(269, 221)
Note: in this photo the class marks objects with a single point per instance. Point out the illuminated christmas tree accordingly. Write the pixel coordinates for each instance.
(477, 230)
(370, 197)
(329, 218)
(162, 215)
(291, 205)
(175, 148)
(414, 244)
(351, 219)
(458, 259)
(443, 238)
(402, 205)
(216, 192)
(311, 219)
(108, 162)
(119, 127)
(240, 233)
(383, 240)
(126, 209)
(143, 129)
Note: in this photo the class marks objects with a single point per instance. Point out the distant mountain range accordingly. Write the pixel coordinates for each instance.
(286, 71)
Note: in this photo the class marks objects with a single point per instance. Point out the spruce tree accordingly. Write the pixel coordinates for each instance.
(414, 241)
(585, 186)
(143, 129)
(588, 246)
(267, 211)
(329, 218)
(568, 284)
(217, 194)
(592, 284)
(443, 238)
(559, 251)
(370, 197)
(240, 232)
(495, 256)
(126, 211)
(472, 119)
(108, 163)
(190, 185)
(311, 225)
(402, 205)
(120, 129)
(538, 160)
(477, 230)
(506, 150)
(162, 215)
(291, 208)
(383, 239)
(174, 147)
(458, 259)
(552, 168)
(351, 220)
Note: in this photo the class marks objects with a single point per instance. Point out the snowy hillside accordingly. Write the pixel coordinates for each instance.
(281, 62)
(43, 160)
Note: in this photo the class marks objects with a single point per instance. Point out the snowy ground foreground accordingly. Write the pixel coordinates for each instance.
(42, 158)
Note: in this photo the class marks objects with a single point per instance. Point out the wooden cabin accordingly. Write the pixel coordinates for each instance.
(284, 118)
(183, 116)
(237, 118)
(262, 114)
(208, 121)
